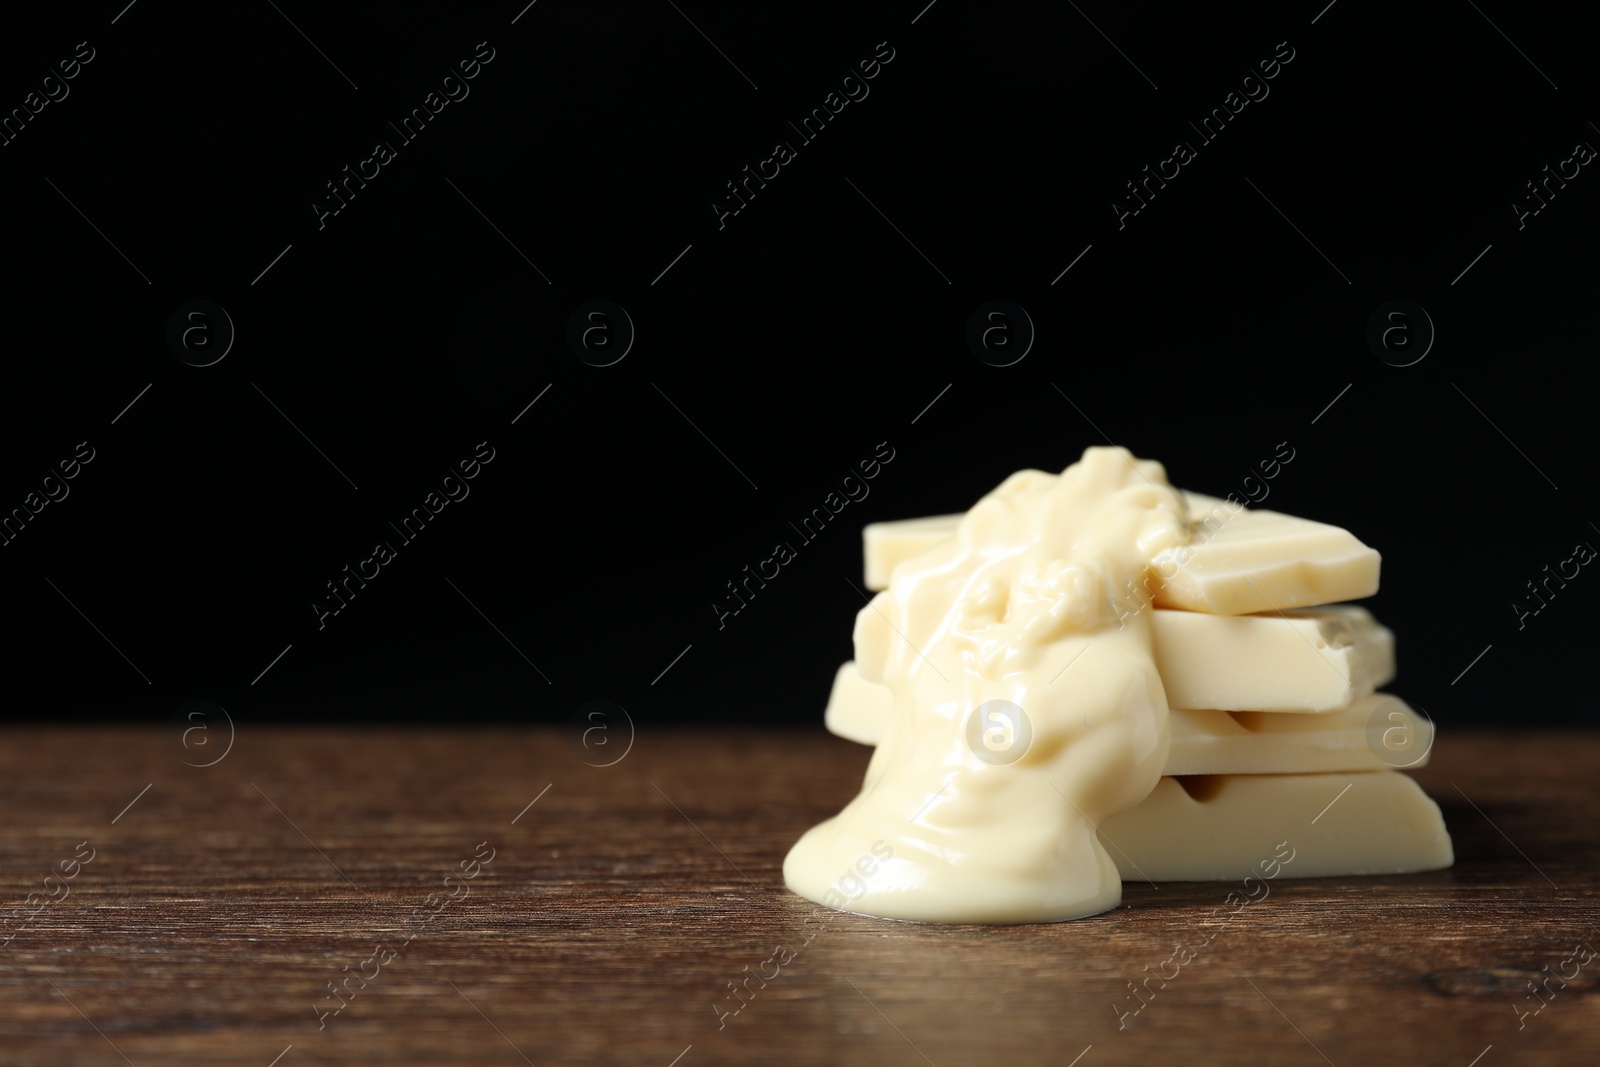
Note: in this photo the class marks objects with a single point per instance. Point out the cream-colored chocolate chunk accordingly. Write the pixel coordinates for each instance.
(1376, 732)
(858, 710)
(1237, 561)
(1315, 660)
(1312, 660)
(1240, 562)
(888, 544)
(1227, 827)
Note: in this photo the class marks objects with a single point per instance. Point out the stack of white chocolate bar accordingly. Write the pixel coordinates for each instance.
(1278, 732)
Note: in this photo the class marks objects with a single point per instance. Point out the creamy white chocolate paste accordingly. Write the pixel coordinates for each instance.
(1025, 711)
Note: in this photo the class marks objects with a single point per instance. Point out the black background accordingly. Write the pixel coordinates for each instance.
(818, 322)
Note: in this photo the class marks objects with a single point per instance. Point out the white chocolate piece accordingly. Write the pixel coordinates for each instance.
(858, 710)
(1233, 825)
(1312, 660)
(1320, 659)
(888, 544)
(1238, 561)
(1377, 732)
(1244, 561)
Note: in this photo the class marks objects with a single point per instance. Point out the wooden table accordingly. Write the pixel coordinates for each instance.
(217, 904)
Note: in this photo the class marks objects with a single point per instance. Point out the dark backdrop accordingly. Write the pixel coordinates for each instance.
(376, 347)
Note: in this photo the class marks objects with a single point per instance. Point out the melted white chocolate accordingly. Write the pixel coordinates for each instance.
(991, 808)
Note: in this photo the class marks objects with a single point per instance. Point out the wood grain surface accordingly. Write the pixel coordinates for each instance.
(202, 920)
